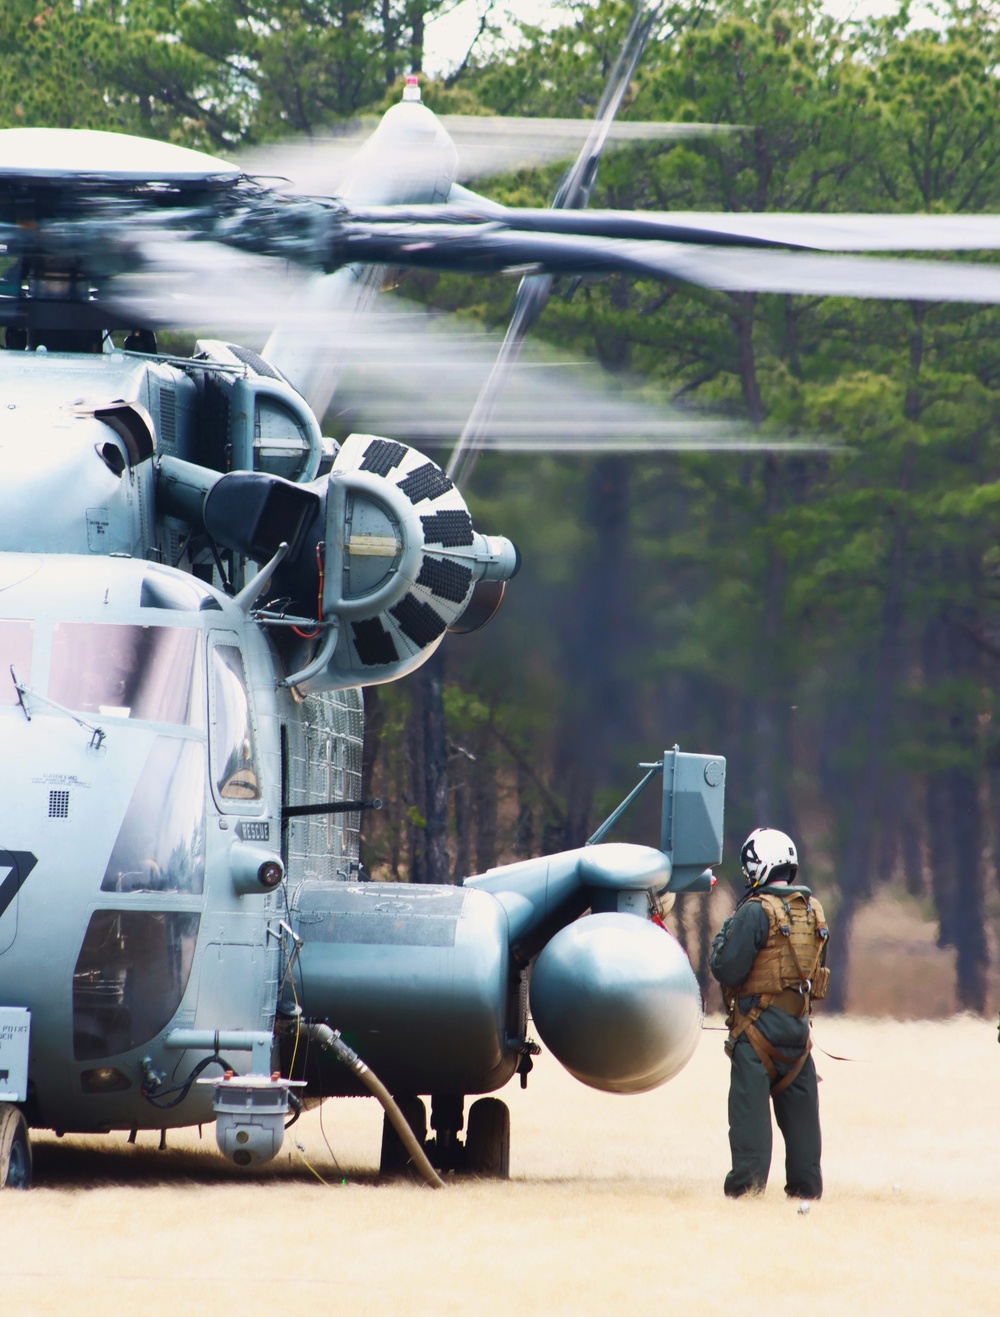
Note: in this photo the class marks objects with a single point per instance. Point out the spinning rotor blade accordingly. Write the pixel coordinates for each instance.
(488, 250)
(533, 292)
(415, 374)
(833, 233)
(175, 280)
(486, 145)
(734, 270)
(209, 285)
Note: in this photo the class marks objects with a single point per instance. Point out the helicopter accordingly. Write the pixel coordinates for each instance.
(195, 584)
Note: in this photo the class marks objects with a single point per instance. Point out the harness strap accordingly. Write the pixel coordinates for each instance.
(739, 1023)
(767, 1054)
(792, 1074)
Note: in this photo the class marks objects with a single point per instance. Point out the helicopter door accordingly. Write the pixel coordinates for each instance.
(232, 980)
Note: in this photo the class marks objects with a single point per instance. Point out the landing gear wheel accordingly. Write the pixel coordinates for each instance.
(15, 1149)
(394, 1159)
(487, 1139)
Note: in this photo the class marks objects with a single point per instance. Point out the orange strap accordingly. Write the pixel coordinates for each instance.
(768, 1054)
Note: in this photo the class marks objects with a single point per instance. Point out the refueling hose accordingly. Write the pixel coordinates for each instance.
(330, 1039)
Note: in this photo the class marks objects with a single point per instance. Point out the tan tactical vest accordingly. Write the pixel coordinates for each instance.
(787, 973)
(792, 955)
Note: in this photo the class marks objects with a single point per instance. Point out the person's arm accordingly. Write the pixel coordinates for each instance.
(737, 943)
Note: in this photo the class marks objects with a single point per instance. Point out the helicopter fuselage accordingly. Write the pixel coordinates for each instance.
(154, 755)
(179, 792)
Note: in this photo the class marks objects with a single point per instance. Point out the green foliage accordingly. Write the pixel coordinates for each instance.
(208, 73)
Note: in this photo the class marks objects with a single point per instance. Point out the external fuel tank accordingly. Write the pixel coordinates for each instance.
(417, 979)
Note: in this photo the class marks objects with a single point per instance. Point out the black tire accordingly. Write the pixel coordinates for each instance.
(15, 1149)
(393, 1158)
(487, 1139)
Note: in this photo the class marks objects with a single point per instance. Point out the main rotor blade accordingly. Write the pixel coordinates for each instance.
(845, 233)
(185, 283)
(486, 145)
(533, 292)
(732, 269)
(484, 249)
(207, 285)
(414, 374)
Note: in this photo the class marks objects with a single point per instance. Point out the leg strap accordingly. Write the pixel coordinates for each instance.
(769, 1054)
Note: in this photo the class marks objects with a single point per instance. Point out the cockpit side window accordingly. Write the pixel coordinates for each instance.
(234, 756)
(118, 671)
(15, 652)
(130, 976)
(161, 843)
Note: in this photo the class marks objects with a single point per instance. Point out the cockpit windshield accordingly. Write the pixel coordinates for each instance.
(15, 652)
(118, 671)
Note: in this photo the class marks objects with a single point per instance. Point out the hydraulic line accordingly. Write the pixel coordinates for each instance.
(331, 1039)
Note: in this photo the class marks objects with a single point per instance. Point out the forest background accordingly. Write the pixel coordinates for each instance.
(828, 620)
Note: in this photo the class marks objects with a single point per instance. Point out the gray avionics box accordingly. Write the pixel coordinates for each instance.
(694, 795)
(15, 1032)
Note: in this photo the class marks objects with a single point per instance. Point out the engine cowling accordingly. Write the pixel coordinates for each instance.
(382, 558)
(616, 1001)
(403, 560)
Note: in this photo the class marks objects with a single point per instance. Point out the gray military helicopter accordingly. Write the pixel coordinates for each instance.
(195, 585)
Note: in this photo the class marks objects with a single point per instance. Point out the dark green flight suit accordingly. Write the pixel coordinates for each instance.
(796, 1108)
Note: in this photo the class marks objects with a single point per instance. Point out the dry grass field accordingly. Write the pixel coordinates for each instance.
(614, 1205)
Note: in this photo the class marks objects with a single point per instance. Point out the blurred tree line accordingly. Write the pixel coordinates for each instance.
(828, 620)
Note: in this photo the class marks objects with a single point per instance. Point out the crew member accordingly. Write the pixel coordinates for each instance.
(768, 957)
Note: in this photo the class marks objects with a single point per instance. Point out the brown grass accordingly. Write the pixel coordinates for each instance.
(615, 1205)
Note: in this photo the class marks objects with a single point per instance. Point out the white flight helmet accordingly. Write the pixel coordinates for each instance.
(768, 854)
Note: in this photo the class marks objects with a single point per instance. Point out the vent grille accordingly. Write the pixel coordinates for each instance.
(426, 482)
(167, 437)
(448, 580)
(450, 529)
(373, 643)
(420, 622)
(382, 455)
(58, 804)
(255, 361)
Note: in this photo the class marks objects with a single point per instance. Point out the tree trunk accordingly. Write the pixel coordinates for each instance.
(417, 38)
(742, 320)
(463, 831)
(416, 786)
(951, 663)
(877, 712)
(390, 42)
(524, 836)
(771, 734)
(431, 681)
(599, 709)
(484, 794)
